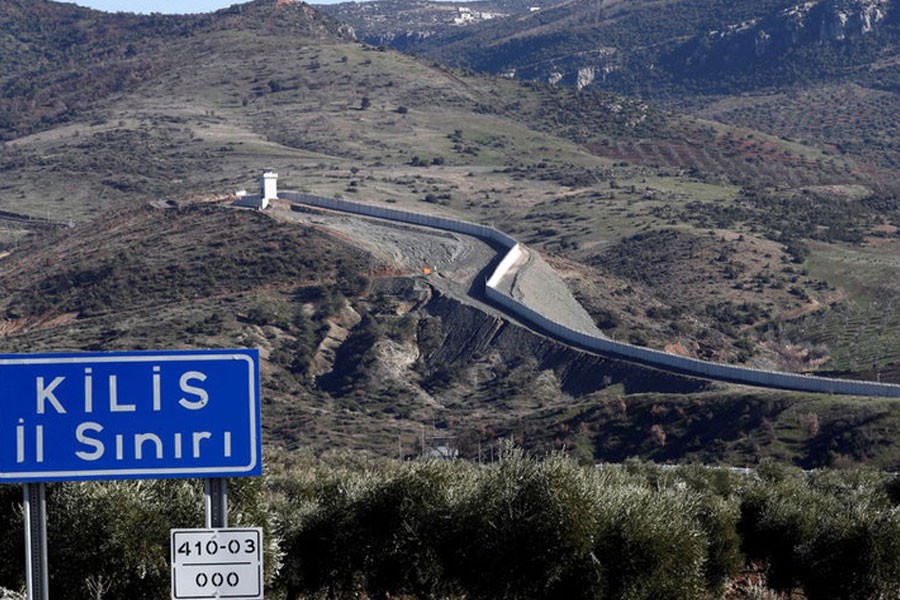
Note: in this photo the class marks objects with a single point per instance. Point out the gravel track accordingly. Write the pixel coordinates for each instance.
(457, 262)
(535, 284)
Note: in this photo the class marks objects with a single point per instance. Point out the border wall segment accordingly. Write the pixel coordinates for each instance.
(649, 356)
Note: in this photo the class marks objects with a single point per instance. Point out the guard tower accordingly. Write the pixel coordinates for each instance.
(268, 186)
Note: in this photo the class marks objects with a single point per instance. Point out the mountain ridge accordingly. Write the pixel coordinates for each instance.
(651, 48)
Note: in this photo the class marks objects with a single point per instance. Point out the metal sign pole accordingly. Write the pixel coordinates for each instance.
(216, 491)
(35, 497)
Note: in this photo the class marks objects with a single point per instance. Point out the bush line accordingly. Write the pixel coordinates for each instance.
(523, 528)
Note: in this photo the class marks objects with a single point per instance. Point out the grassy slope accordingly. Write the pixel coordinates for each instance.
(529, 159)
(737, 428)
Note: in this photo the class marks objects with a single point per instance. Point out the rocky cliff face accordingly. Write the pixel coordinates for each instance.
(807, 39)
(805, 23)
(731, 47)
(639, 47)
(843, 18)
(830, 20)
(806, 32)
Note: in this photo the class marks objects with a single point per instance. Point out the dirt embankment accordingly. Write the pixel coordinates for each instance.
(469, 333)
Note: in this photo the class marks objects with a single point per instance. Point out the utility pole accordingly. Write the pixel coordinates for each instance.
(423, 440)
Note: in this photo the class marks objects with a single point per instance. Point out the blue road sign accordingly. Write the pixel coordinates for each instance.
(129, 415)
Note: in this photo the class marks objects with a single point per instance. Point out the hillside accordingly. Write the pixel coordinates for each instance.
(674, 232)
(667, 48)
(61, 59)
(763, 65)
(359, 353)
(404, 23)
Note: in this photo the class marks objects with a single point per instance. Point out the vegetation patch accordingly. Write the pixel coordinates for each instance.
(248, 251)
(518, 528)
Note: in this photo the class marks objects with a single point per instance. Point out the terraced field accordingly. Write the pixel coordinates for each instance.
(863, 334)
(849, 119)
(751, 158)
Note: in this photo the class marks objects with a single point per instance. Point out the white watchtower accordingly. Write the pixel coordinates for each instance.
(268, 186)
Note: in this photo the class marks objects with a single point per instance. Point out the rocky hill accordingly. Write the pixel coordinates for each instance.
(658, 49)
(729, 61)
(62, 60)
(675, 232)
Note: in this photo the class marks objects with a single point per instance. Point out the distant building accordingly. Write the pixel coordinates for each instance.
(441, 453)
(268, 190)
(467, 16)
(268, 186)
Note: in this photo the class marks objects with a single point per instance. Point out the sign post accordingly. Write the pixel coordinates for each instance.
(126, 415)
(216, 491)
(217, 563)
(36, 574)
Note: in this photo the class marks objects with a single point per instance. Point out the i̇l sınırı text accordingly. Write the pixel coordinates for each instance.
(56, 394)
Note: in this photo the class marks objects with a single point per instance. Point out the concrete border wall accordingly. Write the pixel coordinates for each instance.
(663, 360)
(508, 261)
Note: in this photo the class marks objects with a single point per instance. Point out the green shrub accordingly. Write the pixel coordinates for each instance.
(317, 531)
(114, 536)
(854, 553)
(835, 534)
(776, 518)
(527, 531)
(521, 529)
(852, 557)
(401, 527)
(649, 545)
(12, 534)
(718, 518)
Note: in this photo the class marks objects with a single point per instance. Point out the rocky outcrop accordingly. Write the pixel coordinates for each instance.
(586, 77)
(808, 22)
(762, 43)
(814, 24)
(586, 69)
(841, 19)
(794, 21)
(730, 46)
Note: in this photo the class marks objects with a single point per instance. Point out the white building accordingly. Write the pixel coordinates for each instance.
(268, 190)
(268, 186)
